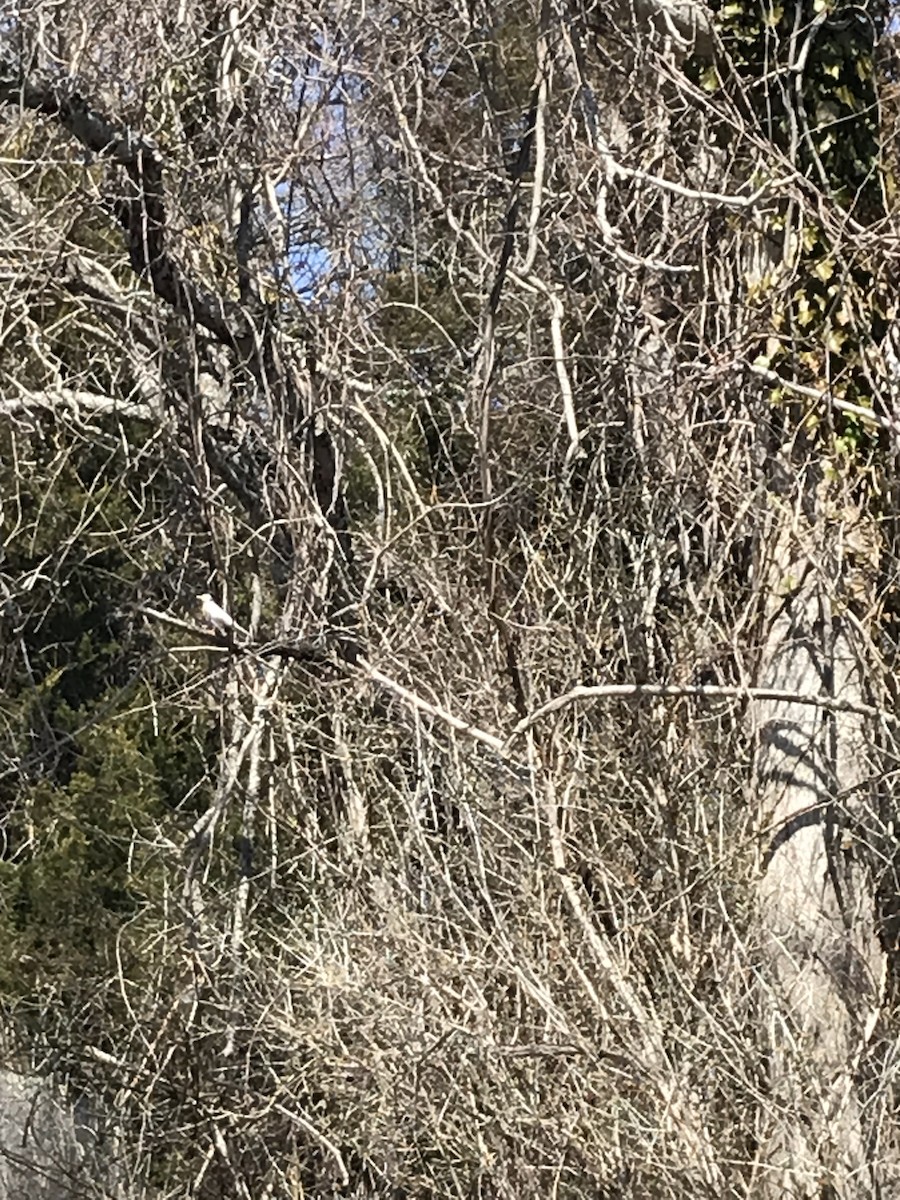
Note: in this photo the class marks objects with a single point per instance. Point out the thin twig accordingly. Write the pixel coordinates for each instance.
(610, 691)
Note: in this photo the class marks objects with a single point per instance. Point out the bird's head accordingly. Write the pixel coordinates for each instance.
(205, 598)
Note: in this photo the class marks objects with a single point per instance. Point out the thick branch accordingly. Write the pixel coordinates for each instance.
(75, 400)
(143, 216)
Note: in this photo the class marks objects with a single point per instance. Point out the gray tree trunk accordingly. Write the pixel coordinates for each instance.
(823, 967)
(44, 1149)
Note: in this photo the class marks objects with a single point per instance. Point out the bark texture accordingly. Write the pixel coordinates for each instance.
(823, 964)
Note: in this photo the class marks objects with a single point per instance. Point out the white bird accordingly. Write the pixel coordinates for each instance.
(216, 616)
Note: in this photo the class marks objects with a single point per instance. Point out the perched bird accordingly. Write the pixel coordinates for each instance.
(216, 616)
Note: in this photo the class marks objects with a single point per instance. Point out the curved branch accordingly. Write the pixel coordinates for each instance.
(142, 216)
(681, 692)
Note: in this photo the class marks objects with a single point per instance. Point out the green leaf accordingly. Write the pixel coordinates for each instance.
(824, 270)
(709, 79)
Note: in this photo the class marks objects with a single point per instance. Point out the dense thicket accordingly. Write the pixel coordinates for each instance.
(523, 381)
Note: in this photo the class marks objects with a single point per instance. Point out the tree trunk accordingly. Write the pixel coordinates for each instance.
(823, 966)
